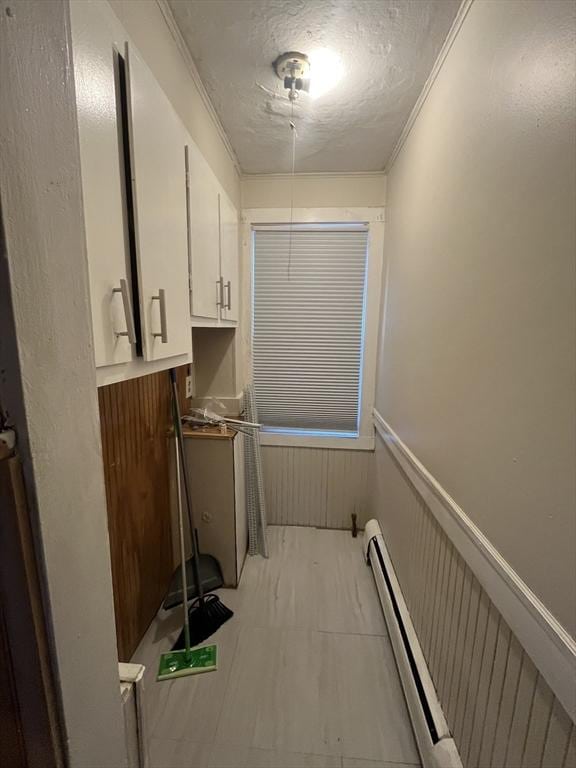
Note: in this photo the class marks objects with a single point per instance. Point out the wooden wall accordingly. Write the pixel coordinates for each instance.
(30, 734)
(12, 751)
(135, 419)
(500, 710)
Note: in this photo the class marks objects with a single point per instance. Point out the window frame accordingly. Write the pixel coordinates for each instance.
(373, 218)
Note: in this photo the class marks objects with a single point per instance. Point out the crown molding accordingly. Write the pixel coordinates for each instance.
(438, 64)
(195, 75)
(313, 175)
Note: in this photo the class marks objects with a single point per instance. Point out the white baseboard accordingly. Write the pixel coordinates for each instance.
(548, 644)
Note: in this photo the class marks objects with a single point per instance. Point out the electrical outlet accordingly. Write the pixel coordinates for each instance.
(188, 386)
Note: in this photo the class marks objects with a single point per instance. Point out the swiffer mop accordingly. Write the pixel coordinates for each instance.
(206, 614)
(188, 661)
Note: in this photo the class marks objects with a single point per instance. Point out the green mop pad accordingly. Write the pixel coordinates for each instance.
(187, 662)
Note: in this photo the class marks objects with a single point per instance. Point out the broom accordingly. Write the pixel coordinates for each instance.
(206, 613)
(188, 661)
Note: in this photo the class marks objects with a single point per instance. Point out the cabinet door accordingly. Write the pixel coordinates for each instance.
(229, 258)
(205, 289)
(211, 468)
(157, 140)
(94, 48)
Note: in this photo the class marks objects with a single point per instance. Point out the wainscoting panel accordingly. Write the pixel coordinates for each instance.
(135, 418)
(319, 487)
(500, 711)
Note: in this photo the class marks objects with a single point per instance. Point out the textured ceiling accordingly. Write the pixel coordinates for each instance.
(388, 48)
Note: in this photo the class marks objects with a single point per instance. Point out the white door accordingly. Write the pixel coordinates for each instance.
(95, 42)
(157, 139)
(204, 236)
(229, 258)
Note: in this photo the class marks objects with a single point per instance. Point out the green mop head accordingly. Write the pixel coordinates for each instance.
(187, 662)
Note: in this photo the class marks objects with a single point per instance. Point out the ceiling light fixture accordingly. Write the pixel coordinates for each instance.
(326, 70)
(316, 74)
(293, 69)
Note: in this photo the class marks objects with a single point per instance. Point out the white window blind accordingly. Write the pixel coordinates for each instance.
(309, 288)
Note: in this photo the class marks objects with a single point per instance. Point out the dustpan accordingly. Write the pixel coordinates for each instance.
(210, 578)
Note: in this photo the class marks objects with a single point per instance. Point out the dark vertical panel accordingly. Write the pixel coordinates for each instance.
(135, 418)
(29, 725)
(12, 754)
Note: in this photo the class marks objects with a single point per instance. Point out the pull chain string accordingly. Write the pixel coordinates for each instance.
(294, 134)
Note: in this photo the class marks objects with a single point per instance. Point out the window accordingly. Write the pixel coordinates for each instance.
(309, 306)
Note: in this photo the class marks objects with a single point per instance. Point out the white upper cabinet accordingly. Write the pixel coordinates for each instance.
(213, 245)
(205, 287)
(229, 259)
(157, 140)
(95, 44)
(162, 236)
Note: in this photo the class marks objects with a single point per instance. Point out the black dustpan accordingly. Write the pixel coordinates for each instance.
(210, 578)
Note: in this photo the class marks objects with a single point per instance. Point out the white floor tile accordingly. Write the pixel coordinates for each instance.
(228, 756)
(306, 675)
(347, 597)
(170, 753)
(281, 591)
(373, 720)
(268, 758)
(313, 579)
(189, 708)
(252, 671)
(316, 692)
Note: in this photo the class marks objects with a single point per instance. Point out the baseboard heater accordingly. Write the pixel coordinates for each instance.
(435, 743)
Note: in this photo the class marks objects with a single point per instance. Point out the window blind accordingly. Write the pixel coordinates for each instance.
(309, 290)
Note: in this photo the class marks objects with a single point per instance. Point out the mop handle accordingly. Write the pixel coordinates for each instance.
(182, 553)
(180, 439)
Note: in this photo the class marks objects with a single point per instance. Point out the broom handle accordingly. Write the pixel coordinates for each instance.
(182, 552)
(180, 438)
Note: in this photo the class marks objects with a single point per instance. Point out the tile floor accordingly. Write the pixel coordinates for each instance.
(306, 676)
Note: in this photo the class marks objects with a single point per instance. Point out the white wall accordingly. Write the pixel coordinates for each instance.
(477, 367)
(313, 190)
(47, 374)
(145, 23)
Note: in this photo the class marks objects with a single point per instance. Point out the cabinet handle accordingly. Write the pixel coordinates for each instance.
(220, 299)
(130, 331)
(163, 335)
(229, 289)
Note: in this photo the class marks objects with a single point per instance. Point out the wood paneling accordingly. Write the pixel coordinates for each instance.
(500, 711)
(318, 487)
(29, 726)
(12, 753)
(135, 419)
